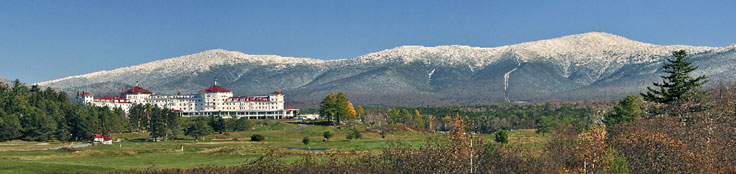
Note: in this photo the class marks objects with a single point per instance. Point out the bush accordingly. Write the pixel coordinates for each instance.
(355, 134)
(257, 137)
(502, 136)
(328, 135)
(306, 140)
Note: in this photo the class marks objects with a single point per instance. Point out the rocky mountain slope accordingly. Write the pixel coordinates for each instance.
(5, 81)
(588, 66)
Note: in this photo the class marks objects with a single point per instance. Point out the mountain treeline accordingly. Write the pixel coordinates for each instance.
(35, 114)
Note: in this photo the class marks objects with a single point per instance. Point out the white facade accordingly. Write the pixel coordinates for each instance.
(111, 102)
(214, 100)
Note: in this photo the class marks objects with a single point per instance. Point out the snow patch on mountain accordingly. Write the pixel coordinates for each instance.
(579, 49)
(592, 55)
(195, 63)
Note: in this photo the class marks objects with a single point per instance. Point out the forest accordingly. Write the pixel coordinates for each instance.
(34, 114)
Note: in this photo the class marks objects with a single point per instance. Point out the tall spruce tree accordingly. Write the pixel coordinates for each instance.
(678, 86)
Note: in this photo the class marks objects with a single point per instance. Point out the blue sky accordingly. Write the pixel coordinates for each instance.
(46, 40)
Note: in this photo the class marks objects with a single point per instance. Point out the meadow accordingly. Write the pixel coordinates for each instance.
(227, 149)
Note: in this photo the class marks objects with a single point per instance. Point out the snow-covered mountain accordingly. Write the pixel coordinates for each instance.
(592, 65)
(5, 81)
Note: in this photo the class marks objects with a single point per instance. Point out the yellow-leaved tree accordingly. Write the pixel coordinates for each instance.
(351, 111)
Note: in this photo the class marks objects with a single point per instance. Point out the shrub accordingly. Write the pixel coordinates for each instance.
(502, 136)
(328, 135)
(618, 162)
(257, 137)
(306, 140)
(355, 134)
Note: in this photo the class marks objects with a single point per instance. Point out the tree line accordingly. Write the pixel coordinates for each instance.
(35, 114)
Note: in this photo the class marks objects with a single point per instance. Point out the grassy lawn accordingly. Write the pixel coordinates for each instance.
(227, 149)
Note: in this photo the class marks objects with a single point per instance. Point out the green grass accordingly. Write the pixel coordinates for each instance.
(217, 150)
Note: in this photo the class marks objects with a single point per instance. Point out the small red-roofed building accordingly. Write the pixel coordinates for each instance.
(108, 140)
(98, 139)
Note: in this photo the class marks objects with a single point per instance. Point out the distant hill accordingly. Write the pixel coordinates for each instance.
(5, 81)
(588, 66)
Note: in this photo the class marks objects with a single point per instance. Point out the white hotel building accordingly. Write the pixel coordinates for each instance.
(214, 100)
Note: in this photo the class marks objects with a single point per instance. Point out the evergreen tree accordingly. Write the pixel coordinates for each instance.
(37, 126)
(240, 124)
(545, 124)
(81, 123)
(9, 127)
(625, 111)
(217, 123)
(118, 122)
(158, 124)
(502, 136)
(678, 86)
(174, 123)
(221, 126)
(137, 119)
(199, 128)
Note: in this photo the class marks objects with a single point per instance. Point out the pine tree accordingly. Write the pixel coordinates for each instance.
(158, 124)
(9, 126)
(221, 126)
(678, 86)
(502, 136)
(173, 123)
(199, 128)
(627, 110)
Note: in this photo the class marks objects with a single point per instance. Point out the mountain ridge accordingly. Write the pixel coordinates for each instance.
(529, 71)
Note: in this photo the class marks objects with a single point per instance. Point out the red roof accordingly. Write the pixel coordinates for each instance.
(215, 88)
(98, 136)
(289, 108)
(108, 99)
(84, 94)
(245, 99)
(276, 92)
(137, 90)
(107, 138)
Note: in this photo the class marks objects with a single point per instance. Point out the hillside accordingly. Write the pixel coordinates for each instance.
(6, 81)
(588, 66)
